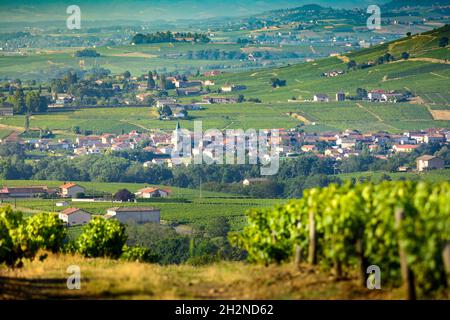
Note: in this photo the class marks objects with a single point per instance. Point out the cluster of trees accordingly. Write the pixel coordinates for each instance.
(87, 53)
(208, 242)
(161, 37)
(22, 238)
(276, 83)
(386, 58)
(216, 54)
(31, 102)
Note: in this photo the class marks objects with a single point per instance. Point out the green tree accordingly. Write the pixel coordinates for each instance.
(127, 74)
(163, 82)
(166, 111)
(123, 195)
(150, 81)
(218, 227)
(351, 64)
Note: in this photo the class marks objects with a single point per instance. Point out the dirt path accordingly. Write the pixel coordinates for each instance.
(369, 111)
(432, 60)
(299, 117)
(343, 58)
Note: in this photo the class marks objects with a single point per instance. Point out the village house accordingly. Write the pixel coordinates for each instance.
(228, 88)
(209, 100)
(187, 84)
(142, 97)
(138, 215)
(346, 142)
(309, 148)
(6, 111)
(321, 98)
(340, 96)
(188, 91)
(212, 73)
(209, 83)
(383, 96)
(160, 103)
(88, 141)
(405, 148)
(71, 190)
(153, 192)
(427, 162)
(252, 181)
(62, 99)
(434, 138)
(74, 217)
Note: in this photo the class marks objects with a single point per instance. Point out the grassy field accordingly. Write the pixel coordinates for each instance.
(108, 279)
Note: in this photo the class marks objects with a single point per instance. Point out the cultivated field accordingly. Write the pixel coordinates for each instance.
(194, 209)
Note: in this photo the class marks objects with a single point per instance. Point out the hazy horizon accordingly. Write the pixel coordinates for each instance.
(148, 10)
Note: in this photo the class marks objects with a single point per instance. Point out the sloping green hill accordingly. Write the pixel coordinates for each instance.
(427, 71)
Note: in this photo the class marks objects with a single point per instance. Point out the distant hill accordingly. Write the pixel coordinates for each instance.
(397, 4)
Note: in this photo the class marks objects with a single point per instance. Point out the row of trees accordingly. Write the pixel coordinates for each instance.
(161, 37)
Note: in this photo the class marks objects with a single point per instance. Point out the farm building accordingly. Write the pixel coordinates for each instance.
(152, 192)
(25, 192)
(134, 214)
(321, 98)
(340, 96)
(70, 190)
(427, 162)
(74, 217)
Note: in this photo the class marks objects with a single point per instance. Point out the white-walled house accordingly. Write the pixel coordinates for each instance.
(134, 214)
(427, 162)
(70, 190)
(74, 217)
(321, 98)
(152, 192)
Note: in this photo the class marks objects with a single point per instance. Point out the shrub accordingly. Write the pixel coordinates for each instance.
(46, 231)
(102, 238)
(22, 238)
(138, 254)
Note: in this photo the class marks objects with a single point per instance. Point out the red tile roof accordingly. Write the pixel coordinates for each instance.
(68, 185)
